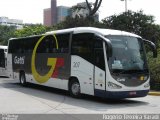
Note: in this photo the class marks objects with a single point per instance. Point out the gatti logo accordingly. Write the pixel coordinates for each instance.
(50, 62)
(19, 60)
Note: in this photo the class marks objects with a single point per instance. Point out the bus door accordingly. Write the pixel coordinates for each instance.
(99, 69)
(2, 58)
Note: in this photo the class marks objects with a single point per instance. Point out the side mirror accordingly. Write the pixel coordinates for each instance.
(109, 47)
(153, 47)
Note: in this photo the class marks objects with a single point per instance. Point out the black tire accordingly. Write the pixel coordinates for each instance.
(74, 89)
(22, 79)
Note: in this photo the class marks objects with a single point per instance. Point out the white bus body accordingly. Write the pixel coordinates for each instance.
(82, 60)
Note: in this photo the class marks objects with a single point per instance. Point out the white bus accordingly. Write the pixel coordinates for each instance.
(99, 62)
(3, 60)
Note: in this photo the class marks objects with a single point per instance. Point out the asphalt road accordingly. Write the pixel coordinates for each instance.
(34, 99)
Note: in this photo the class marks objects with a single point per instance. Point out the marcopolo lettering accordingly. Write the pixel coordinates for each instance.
(19, 60)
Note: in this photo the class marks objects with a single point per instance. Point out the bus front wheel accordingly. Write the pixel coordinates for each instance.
(74, 89)
(22, 79)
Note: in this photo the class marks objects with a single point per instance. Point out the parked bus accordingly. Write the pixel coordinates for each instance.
(99, 62)
(3, 60)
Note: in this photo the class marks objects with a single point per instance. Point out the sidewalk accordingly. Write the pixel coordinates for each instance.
(154, 93)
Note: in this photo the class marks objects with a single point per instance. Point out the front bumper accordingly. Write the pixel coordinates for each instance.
(121, 94)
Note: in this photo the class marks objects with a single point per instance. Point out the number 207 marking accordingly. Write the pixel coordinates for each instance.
(76, 64)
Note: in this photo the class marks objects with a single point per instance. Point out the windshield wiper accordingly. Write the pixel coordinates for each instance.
(130, 71)
(118, 71)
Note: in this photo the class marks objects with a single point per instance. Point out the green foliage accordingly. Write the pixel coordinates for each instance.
(6, 32)
(129, 21)
(154, 65)
(78, 22)
(135, 22)
(30, 30)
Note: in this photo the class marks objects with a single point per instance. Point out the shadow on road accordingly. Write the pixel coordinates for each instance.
(3, 77)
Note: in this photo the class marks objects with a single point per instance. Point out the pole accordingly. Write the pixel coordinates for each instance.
(126, 6)
(126, 9)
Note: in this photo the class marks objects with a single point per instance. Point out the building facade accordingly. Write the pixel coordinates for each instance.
(47, 17)
(62, 13)
(11, 22)
(54, 11)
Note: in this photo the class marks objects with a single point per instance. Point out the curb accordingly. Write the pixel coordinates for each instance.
(154, 93)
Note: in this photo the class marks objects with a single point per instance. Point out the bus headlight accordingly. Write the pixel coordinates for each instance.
(113, 86)
(147, 85)
(145, 77)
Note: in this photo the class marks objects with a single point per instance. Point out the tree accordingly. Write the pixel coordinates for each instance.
(135, 22)
(6, 32)
(94, 9)
(31, 30)
(77, 22)
(80, 11)
(86, 10)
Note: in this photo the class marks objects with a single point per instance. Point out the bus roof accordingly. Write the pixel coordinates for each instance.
(3, 47)
(101, 31)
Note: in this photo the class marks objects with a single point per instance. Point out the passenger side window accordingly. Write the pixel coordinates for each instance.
(46, 45)
(30, 43)
(2, 58)
(16, 46)
(63, 42)
(51, 45)
(23, 45)
(82, 45)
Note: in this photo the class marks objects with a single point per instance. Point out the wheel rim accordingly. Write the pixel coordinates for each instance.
(75, 88)
(22, 79)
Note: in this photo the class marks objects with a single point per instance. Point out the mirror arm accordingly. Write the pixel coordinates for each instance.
(109, 44)
(153, 46)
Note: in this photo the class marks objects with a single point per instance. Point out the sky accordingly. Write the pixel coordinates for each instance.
(31, 11)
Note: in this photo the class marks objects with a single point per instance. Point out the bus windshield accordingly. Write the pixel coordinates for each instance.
(128, 55)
